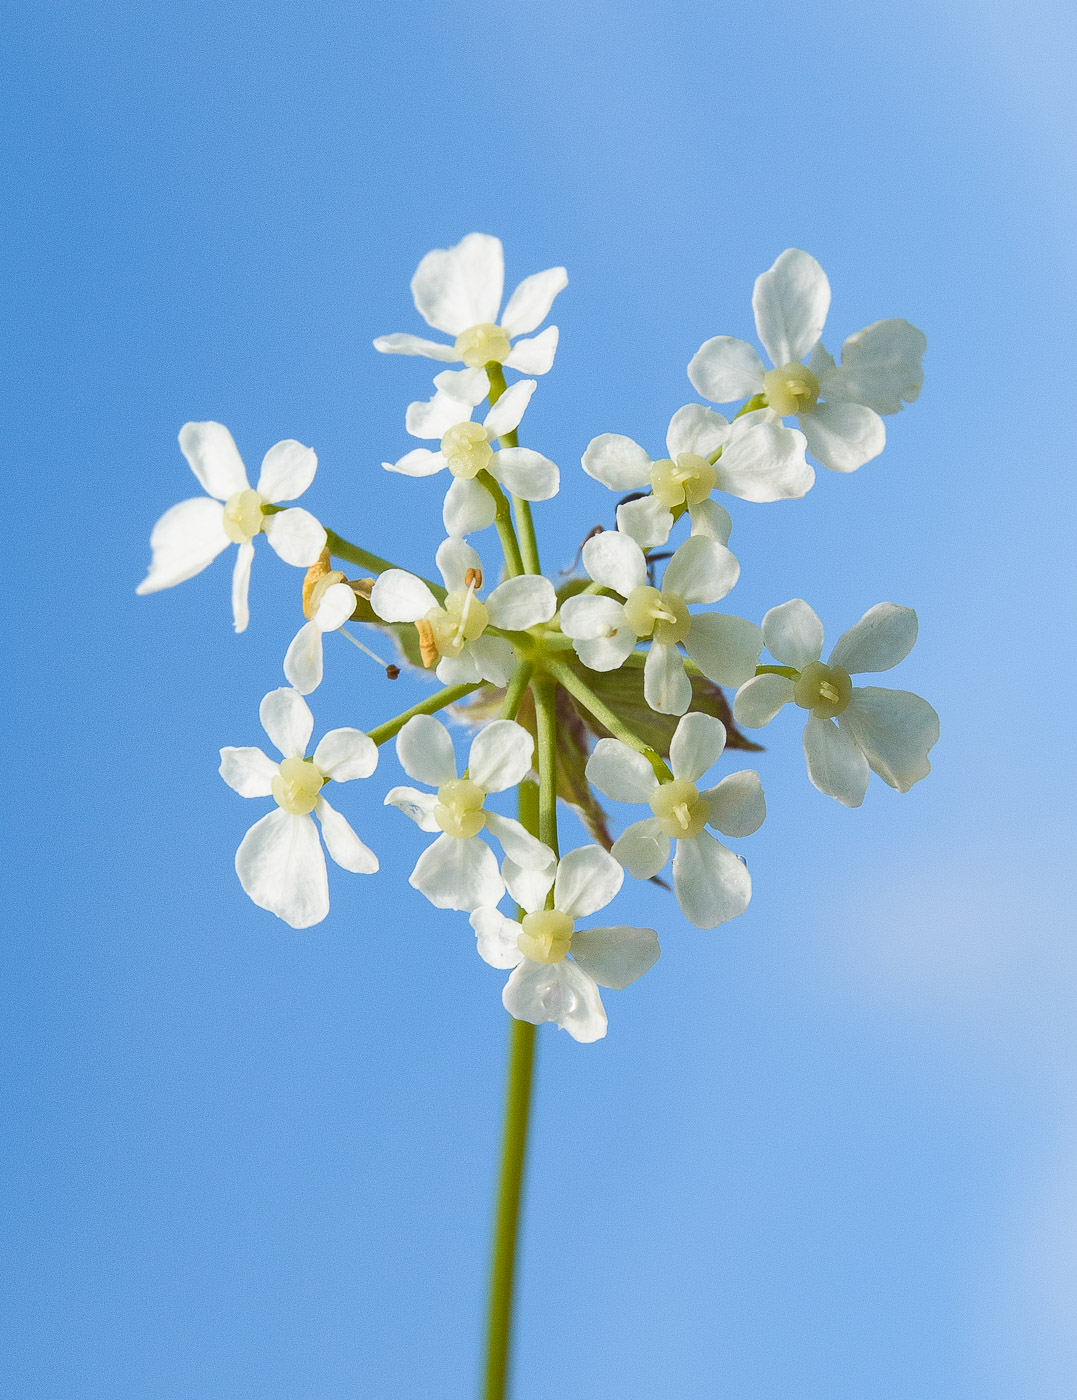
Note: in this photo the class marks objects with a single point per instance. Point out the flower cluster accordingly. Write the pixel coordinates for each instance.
(612, 683)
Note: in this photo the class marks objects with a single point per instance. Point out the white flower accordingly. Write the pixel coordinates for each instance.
(466, 448)
(760, 461)
(837, 408)
(605, 631)
(279, 861)
(459, 870)
(710, 883)
(547, 984)
(452, 634)
(190, 536)
(332, 603)
(889, 731)
(458, 291)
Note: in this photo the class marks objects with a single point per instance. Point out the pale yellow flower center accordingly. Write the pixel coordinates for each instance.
(546, 936)
(459, 808)
(825, 690)
(243, 516)
(466, 448)
(791, 389)
(687, 481)
(480, 344)
(680, 810)
(461, 620)
(650, 612)
(296, 786)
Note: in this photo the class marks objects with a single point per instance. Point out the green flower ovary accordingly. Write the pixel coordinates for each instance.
(825, 690)
(680, 810)
(650, 612)
(296, 786)
(466, 448)
(242, 518)
(687, 481)
(458, 810)
(791, 389)
(546, 936)
(480, 344)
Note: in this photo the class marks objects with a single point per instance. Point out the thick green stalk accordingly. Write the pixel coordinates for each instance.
(382, 733)
(545, 692)
(578, 688)
(506, 531)
(524, 523)
(516, 687)
(340, 548)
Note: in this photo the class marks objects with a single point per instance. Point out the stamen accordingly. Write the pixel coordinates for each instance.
(473, 578)
(391, 671)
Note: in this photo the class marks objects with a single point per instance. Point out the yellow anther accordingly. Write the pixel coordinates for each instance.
(480, 344)
(651, 612)
(466, 448)
(791, 389)
(546, 936)
(242, 518)
(317, 571)
(296, 785)
(473, 578)
(680, 810)
(458, 810)
(825, 690)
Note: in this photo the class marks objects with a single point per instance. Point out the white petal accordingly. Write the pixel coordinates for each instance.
(790, 302)
(455, 288)
(287, 470)
(587, 879)
(342, 843)
(523, 849)
(562, 993)
(821, 362)
(620, 772)
(241, 582)
(642, 848)
(843, 436)
(468, 507)
(522, 602)
(337, 604)
(500, 755)
(529, 886)
(738, 807)
(666, 687)
(759, 700)
(725, 648)
(766, 463)
(459, 670)
(432, 418)
(617, 462)
(836, 764)
(303, 660)
(710, 883)
(646, 520)
(895, 729)
(710, 519)
(346, 754)
(724, 369)
(507, 412)
(494, 659)
(398, 596)
(281, 867)
(884, 636)
(469, 386)
(615, 561)
(398, 344)
(248, 771)
(295, 535)
(534, 356)
(287, 719)
(496, 938)
(454, 558)
(424, 748)
(527, 474)
(601, 636)
(419, 806)
(697, 744)
(615, 957)
(793, 633)
(419, 462)
(701, 570)
(880, 366)
(185, 539)
(530, 303)
(214, 458)
(694, 428)
(458, 874)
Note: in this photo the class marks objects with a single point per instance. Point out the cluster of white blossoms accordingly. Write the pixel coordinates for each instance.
(611, 683)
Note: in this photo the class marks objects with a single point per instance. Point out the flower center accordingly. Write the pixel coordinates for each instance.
(791, 389)
(461, 620)
(825, 690)
(480, 344)
(466, 448)
(651, 612)
(687, 481)
(546, 937)
(243, 516)
(679, 808)
(459, 808)
(296, 786)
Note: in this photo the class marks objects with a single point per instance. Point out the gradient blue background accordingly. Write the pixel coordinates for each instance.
(826, 1152)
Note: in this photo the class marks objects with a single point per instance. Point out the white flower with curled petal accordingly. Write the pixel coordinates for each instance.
(332, 603)
(757, 460)
(558, 968)
(459, 870)
(605, 631)
(710, 883)
(836, 407)
(458, 290)
(279, 861)
(887, 731)
(189, 537)
(467, 448)
(452, 635)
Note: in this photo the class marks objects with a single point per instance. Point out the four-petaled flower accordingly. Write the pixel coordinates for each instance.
(328, 602)
(279, 861)
(558, 968)
(888, 731)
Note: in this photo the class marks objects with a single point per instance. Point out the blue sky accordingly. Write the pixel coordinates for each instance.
(825, 1151)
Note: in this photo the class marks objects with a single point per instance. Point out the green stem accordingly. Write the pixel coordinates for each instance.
(506, 531)
(790, 672)
(545, 693)
(524, 524)
(340, 548)
(578, 688)
(515, 692)
(382, 733)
